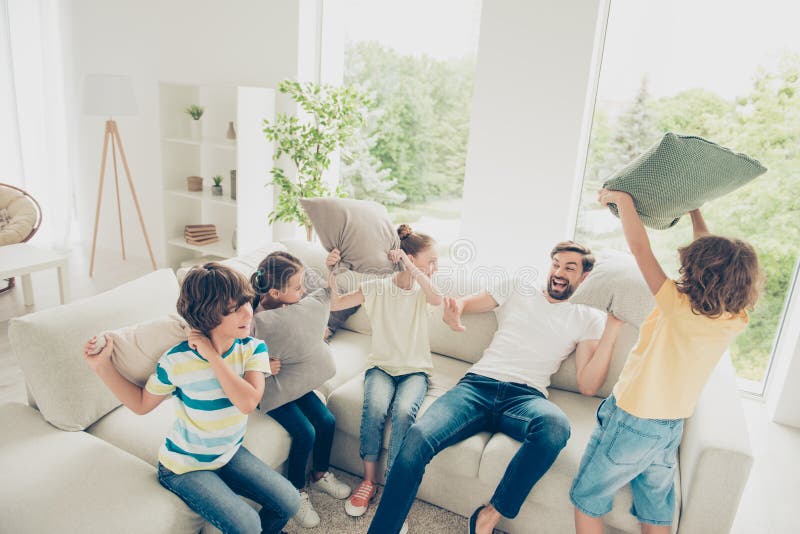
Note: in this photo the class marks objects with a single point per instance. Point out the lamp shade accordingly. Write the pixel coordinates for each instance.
(108, 95)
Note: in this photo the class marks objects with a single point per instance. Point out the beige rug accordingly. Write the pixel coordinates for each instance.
(423, 518)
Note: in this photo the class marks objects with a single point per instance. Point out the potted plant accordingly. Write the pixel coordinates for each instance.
(195, 112)
(330, 117)
(216, 189)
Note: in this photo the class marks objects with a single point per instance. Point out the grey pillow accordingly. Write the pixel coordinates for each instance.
(616, 285)
(314, 281)
(360, 229)
(293, 334)
(678, 174)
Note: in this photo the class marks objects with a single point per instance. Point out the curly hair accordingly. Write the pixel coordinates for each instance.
(719, 275)
(209, 292)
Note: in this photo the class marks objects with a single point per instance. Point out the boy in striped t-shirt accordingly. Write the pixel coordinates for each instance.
(217, 378)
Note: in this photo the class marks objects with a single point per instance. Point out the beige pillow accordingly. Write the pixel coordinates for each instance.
(360, 229)
(137, 348)
(49, 346)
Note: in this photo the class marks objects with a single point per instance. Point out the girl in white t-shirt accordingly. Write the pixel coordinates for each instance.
(400, 362)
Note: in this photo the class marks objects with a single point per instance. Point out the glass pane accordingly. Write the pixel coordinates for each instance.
(417, 60)
(728, 73)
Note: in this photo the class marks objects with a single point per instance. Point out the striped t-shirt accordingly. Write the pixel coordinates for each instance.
(208, 428)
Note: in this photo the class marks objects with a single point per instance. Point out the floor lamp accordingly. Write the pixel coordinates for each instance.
(110, 95)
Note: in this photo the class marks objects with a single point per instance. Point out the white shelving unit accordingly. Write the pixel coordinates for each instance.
(182, 156)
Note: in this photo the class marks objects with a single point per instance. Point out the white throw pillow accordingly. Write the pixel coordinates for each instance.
(49, 346)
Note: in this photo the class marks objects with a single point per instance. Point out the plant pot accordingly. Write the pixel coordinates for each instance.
(194, 183)
(195, 129)
(233, 184)
(216, 190)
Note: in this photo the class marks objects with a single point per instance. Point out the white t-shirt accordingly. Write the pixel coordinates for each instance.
(399, 321)
(534, 335)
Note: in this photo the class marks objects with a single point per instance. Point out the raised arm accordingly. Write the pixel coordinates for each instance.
(454, 308)
(432, 294)
(340, 302)
(137, 399)
(636, 236)
(244, 392)
(593, 357)
(698, 224)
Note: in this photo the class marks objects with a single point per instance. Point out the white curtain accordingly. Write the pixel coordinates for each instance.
(34, 151)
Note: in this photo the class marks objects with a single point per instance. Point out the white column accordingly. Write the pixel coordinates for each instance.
(534, 94)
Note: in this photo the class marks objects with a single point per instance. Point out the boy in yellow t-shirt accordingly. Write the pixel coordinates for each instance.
(680, 343)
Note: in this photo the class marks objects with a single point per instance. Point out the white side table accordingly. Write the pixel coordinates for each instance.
(23, 259)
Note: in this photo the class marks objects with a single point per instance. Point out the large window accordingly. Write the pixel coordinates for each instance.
(417, 60)
(726, 71)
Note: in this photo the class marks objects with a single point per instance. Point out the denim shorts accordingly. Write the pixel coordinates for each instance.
(628, 449)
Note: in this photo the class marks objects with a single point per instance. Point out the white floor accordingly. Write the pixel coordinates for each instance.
(767, 505)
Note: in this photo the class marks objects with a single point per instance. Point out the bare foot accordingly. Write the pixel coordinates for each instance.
(487, 520)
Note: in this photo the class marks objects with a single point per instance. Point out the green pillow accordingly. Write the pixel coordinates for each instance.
(678, 174)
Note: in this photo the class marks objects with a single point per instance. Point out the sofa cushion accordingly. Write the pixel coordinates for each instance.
(566, 376)
(143, 435)
(360, 229)
(350, 352)
(49, 346)
(552, 490)
(680, 173)
(616, 285)
(294, 335)
(58, 481)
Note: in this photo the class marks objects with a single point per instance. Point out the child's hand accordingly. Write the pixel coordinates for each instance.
(607, 196)
(202, 344)
(274, 366)
(399, 255)
(333, 258)
(452, 315)
(100, 359)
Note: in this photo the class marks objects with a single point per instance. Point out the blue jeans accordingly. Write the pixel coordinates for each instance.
(404, 394)
(625, 448)
(311, 425)
(214, 494)
(477, 404)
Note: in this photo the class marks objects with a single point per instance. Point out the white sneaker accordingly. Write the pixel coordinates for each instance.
(306, 516)
(332, 486)
(404, 529)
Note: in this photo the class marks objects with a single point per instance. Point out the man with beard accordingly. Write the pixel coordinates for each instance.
(506, 391)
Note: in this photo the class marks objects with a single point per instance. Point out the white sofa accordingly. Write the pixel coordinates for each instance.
(85, 481)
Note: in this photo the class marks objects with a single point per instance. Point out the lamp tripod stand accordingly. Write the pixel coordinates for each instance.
(112, 133)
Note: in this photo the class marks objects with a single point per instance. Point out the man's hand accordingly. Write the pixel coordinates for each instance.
(452, 314)
(96, 361)
(607, 196)
(202, 345)
(333, 258)
(274, 366)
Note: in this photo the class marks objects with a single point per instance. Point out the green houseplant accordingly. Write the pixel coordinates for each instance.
(329, 117)
(216, 189)
(195, 112)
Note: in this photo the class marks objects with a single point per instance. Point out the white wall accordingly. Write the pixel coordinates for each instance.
(532, 102)
(246, 42)
(783, 388)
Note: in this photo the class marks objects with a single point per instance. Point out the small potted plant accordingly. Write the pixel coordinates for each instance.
(216, 189)
(195, 112)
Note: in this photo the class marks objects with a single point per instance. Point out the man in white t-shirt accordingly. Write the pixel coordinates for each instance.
(506, 391)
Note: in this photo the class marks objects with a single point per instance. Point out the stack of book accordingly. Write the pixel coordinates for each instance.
(200, 234)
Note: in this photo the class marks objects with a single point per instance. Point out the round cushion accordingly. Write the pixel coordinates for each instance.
(18, 215)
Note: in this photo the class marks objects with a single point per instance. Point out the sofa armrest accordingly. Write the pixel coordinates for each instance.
(715, 456)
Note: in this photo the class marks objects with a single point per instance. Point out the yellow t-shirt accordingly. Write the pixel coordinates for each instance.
(399, 321)
(676, 353)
